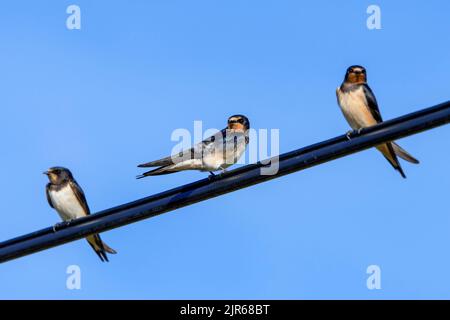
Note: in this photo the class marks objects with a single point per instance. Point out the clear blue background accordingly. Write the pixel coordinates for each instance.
(102, 99)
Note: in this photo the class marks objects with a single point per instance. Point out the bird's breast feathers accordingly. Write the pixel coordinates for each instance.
(354, 106)
(66, 203)
(224, 153)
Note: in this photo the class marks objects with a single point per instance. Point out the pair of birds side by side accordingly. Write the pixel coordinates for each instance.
(218, 152)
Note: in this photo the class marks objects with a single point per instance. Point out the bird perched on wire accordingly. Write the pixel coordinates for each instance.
(217, 152)
(68, 199)
(360, 109)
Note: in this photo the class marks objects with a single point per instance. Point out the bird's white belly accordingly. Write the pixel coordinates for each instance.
(216, 160)
(233, 156)
(66, 204)
(212, 161)
(354, 107)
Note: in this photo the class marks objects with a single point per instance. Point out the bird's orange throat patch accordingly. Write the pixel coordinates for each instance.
(236, 127)
(356, 78)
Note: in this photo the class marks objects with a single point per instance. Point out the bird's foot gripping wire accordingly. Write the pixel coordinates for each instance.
(61, 225)
(212, 175)
(351, 133)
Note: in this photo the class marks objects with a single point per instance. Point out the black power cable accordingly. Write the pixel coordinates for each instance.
(243, 177)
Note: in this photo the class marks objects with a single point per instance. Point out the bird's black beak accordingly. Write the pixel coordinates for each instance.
(46, 173)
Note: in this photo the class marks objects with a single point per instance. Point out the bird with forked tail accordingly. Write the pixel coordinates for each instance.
(360, 109)
(217, 152)
(68, 199)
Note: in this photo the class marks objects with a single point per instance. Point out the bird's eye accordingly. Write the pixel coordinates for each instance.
(241, 120)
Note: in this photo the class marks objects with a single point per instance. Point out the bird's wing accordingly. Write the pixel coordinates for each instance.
(47, 192)
(387, 149)
(372, 103)
(195, 152)
(210, 144)
(80, 196)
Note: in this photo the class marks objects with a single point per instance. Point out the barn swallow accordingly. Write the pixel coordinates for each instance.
(67, 198)
(360, 109)
(217, 152)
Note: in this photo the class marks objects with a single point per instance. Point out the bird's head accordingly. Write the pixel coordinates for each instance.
(58, 175)
(356, 74)
(238, 122)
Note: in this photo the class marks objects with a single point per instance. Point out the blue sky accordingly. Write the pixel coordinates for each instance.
(105, 98)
